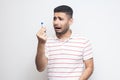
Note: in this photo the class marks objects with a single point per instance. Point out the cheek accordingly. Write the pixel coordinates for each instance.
(65, 26)
(64, 23)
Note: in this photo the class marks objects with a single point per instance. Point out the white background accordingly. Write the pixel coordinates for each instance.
(99, 20)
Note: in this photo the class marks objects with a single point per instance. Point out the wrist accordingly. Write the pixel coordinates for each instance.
(41, 42)
(82, 78)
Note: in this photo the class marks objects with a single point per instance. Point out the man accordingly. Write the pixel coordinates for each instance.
(68, 56)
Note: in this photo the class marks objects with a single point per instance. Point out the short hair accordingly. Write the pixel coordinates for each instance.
(64, 8)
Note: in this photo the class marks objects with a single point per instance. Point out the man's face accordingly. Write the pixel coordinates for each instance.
(61, 22)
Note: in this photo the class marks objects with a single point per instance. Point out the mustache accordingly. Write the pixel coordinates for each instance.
(55, 25)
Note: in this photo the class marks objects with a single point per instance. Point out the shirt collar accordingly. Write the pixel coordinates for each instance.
(71, 37)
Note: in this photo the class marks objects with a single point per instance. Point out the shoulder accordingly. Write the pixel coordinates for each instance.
(80, 36)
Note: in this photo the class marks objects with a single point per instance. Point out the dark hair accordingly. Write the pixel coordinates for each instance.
(64, 8)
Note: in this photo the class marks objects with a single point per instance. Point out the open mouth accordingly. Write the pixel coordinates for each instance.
(57, 28)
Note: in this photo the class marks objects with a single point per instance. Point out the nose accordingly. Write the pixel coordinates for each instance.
(56, 21)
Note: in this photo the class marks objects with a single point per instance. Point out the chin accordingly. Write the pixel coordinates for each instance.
(58, 33)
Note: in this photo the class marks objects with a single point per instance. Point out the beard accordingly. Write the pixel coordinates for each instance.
(62, 31)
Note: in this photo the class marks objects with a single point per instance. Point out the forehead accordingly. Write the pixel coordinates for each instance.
(60, 14)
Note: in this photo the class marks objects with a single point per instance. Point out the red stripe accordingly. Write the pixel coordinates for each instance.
(64, 59)
(65, 67)
(67, 46)
(74, 39)
(78, 42)
(80, 39)
(65, 50)
(64, 63)
(64, 72)
(74, 46)
(54, 46)
(64, 54)
(74, 42)
(63, 76)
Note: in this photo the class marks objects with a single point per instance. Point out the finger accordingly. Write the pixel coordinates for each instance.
(41, 31)
(44, 34)
(44, 29)
(45, 37)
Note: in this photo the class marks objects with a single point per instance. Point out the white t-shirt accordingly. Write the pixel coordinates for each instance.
(65, 58)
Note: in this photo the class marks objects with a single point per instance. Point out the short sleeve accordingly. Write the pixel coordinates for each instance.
(87, 51)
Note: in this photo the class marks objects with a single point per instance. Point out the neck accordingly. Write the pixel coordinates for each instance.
(65, 35)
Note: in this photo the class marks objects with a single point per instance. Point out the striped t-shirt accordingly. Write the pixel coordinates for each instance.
(65, 58)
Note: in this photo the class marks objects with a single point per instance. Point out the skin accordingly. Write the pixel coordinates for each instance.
(41, 59)
(89, 66)
(61, 23)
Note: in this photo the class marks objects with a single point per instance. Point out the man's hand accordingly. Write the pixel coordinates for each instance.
(41, 35)
(89, 66)
(41, 59)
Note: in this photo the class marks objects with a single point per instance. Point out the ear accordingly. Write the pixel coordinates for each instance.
(70, 21)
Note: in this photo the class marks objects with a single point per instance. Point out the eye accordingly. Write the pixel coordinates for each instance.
(54, 18)
(60, 18)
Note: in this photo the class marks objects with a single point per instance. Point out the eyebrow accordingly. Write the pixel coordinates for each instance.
(58, 17)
